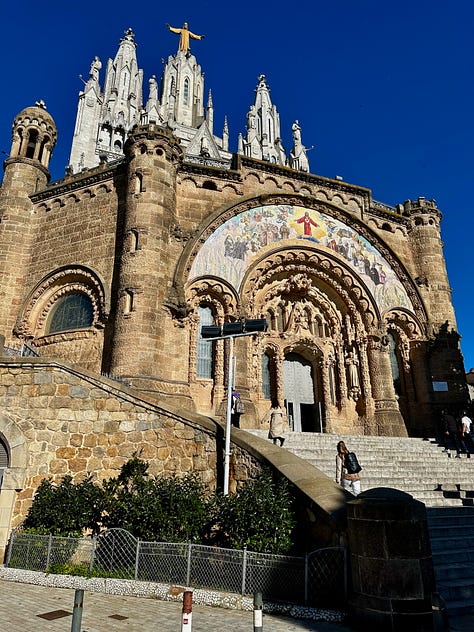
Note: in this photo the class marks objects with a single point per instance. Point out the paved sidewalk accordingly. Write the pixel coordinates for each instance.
(30, 608)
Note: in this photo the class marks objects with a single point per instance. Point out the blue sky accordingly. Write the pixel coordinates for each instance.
(384, 91)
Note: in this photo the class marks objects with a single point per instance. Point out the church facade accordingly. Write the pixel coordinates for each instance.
(158, 228)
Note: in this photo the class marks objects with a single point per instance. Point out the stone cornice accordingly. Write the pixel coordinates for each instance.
(302, 176)
(384, 212)
(210, 171)
(26, 161)
(79, 181)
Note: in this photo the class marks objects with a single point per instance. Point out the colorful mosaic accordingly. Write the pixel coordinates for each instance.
(228, 251)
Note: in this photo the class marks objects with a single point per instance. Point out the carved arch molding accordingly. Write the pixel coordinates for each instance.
(32, 322)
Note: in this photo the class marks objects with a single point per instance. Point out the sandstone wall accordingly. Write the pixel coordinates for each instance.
(56, 420)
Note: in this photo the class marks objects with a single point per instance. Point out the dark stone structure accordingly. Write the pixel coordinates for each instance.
(391, 564)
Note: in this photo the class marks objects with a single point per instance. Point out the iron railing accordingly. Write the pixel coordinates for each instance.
(318, 579)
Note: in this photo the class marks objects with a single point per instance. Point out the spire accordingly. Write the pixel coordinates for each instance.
(263, 128)
(225, 135)
(102, 125)
(182, 91)
(123, 85)
(210, 113)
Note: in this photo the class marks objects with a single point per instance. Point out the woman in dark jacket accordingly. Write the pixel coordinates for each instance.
(351, 482)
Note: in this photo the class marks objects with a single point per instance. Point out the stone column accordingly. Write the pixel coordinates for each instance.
(388, 420)
(391, 564)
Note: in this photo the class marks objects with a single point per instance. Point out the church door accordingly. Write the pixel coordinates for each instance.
(304, 414)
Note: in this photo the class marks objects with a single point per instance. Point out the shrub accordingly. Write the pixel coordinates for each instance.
(67, 508)
(259, 516)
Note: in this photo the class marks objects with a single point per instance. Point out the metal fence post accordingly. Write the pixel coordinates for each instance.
(187, 616)
(188, 570)
(8, 553)
(244, 570)
(92, 559)
(77, 612)
(137, 558)
(306, 576)
(257, 612)
(48, 555)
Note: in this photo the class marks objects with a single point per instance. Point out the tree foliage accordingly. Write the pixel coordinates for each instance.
(259, 515)
(66, 509)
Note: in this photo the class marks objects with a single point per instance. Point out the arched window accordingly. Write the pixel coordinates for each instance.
(205, 348)
(186, 92)
(266, 376)
(73, 311)
(31, 146)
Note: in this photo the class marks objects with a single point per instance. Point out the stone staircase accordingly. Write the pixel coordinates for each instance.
(421, 468)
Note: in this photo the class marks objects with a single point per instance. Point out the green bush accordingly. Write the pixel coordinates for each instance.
(66, 509)
(259, 515)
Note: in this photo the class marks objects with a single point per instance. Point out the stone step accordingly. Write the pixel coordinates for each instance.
(422, 468)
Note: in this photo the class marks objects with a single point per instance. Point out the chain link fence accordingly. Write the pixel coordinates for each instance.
(319, 579)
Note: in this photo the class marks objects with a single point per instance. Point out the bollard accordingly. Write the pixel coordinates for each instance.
(187, 620)
(257, 612)
(77, 612)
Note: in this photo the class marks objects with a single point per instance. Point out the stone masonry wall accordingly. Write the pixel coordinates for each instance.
(56, 421)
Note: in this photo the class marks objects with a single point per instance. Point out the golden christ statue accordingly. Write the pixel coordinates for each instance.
(184, 35)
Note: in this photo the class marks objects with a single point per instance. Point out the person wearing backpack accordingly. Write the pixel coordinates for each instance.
(347, 469)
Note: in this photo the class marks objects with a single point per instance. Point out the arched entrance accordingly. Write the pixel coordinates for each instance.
(299, 389)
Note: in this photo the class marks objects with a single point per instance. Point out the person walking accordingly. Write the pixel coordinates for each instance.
(452, 431)
(278, 423)
(466, 425)
(344, 475)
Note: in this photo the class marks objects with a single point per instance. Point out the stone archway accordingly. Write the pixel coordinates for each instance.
(13, 475)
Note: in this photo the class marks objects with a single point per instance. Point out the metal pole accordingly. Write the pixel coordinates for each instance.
(230, 381)
(257, 612)
(187, 616)
(77, 612)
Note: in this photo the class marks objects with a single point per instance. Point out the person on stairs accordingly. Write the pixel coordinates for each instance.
(345, 476)
(278, 423)
(452, 431)
(466, 436)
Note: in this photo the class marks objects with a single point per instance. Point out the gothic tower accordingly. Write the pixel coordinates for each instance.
(104, 118)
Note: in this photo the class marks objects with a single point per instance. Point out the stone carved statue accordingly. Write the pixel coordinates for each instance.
(153, 86)
(184, 36)
(96, 65)
(352, 364)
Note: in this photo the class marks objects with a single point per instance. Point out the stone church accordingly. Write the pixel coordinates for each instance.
(163, 224)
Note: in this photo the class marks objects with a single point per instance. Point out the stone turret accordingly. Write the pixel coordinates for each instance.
(432, 278)
(149, 213)
(26, 172)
